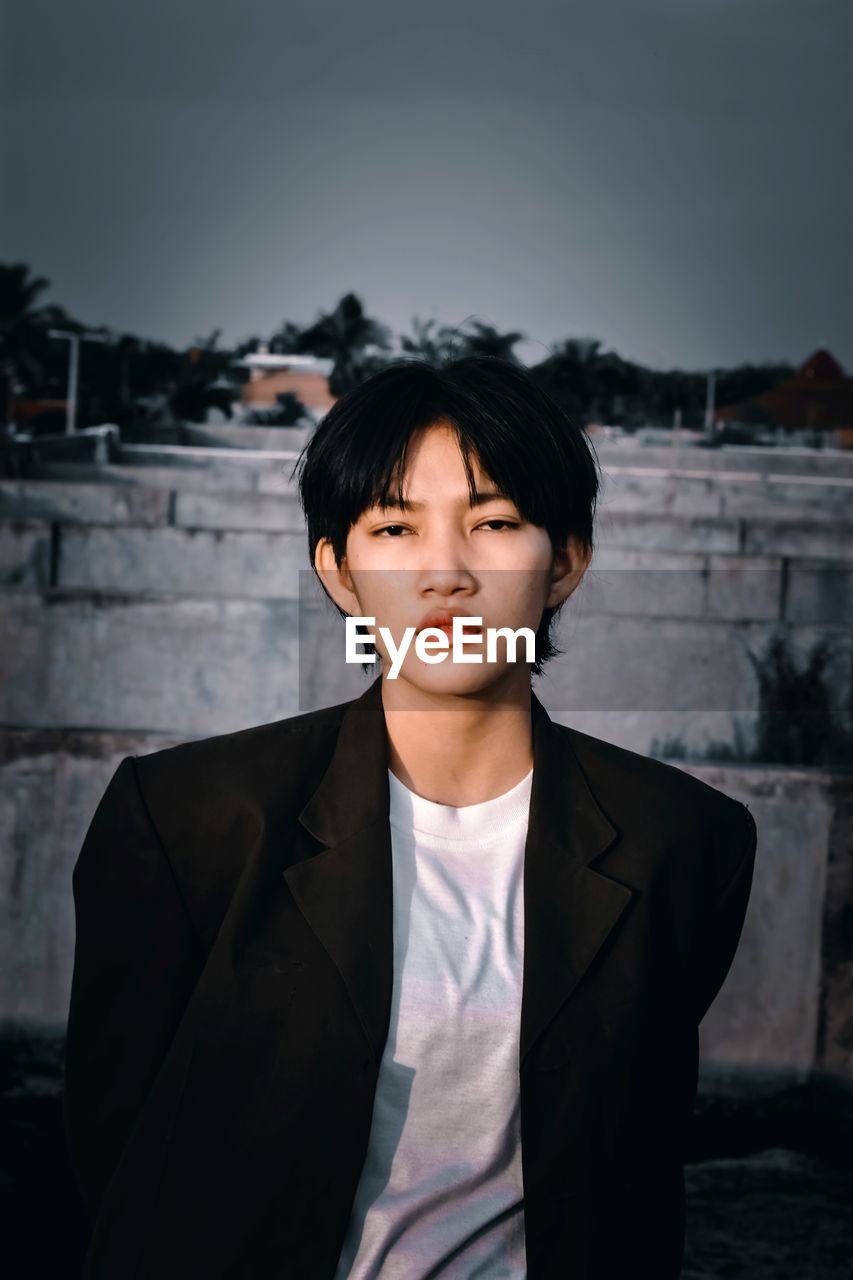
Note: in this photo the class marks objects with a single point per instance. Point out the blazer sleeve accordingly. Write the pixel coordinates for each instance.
(723, 923)
(136, 960)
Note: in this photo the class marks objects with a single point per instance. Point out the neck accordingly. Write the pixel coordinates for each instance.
(460, 749)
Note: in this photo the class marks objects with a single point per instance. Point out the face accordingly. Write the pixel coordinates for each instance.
(440, 552)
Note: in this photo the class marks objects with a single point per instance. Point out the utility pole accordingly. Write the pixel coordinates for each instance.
(676, 428)
(74, 339)
(710, 397)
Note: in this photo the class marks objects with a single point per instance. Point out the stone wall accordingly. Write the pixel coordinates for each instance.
(185, 588)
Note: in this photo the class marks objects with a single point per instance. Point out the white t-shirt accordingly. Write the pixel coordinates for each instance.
(440, 1192)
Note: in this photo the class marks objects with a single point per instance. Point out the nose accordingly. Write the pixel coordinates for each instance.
(443, 566)
(444, 583)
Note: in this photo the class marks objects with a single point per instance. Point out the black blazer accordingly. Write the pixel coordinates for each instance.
(232, 985)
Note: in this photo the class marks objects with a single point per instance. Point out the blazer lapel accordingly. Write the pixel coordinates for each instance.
(570, 908)
(345, 890)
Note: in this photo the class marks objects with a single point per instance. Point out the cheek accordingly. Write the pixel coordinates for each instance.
(526, 583)
(382, 596)
(529, 553)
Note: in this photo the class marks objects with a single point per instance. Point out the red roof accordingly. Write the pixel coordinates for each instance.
(821, 365)
(819, 395)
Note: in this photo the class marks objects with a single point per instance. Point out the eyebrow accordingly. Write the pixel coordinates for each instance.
(479, 499)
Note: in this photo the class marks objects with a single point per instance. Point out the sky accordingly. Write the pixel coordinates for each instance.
(671, 177)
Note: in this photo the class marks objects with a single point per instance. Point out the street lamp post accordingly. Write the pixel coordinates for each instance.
(710, 402)
(74, 339)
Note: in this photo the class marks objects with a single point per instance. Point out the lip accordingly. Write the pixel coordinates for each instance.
(443, 618)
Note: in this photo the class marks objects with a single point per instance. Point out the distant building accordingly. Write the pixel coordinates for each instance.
(818, 398)
(270, 374)
(37, 415)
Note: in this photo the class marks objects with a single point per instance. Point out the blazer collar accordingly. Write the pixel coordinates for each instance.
(345, 889)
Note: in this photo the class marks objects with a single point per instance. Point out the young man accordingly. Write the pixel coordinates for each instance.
(409, 986)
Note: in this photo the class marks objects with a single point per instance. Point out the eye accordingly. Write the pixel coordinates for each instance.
(509, 524)
(386, 529)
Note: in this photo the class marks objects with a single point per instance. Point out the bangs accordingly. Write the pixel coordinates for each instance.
(389, 489)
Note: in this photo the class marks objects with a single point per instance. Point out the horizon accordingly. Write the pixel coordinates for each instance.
(47, 298)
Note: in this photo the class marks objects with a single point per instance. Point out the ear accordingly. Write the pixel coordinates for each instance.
(335, 579)
(568, 566)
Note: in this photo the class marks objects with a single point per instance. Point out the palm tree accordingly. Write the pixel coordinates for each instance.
(208, 357)
(25, 346)
(285, 340)
(211, 342)
(247, 346)
(594, 384)
(569, 375)
(485, 340)
(353, 340)
(434, 347)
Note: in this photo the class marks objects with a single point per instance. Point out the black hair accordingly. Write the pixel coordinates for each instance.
(524, 440)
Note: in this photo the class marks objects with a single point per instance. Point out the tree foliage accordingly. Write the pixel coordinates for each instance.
(121, 379)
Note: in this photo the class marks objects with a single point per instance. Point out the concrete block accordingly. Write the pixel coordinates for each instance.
(86, 503)
(660, 495)
(24, 557)
(242, 479)
(643, 583)
(268, 511)
(744, 588)
(819, 499)
(678, 734)
(799, 538)
(668, 533)
(767, 1011)
(277, 479)
(192, 667)
(247, 435)
(144, 562)
(671, 666)
(50, 785)
(653, 664)
(756, 460)
(819, 591)
(667, 585)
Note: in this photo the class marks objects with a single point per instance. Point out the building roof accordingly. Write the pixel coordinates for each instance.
(272, 360)
(818, 396)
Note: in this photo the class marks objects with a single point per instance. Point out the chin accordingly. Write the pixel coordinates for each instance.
(459, 679)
